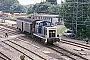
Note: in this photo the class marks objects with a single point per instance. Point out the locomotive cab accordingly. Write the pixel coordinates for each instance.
(51, 35)
(45, 32)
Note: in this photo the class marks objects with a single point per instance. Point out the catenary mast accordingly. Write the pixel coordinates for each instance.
(80, 15)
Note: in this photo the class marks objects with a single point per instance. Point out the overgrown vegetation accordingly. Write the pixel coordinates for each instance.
(11, 6)
(43, 7)
(76, 15)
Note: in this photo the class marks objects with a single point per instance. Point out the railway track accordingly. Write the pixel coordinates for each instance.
(69, 54)
(9, 28)
(10, 43)
(31, 58)
(4, 25)
(58, 49)
(4, 57)
(18, 50)
(10, 32)
(84, 46)
(27, 49)
(55, 49)
(1, 58)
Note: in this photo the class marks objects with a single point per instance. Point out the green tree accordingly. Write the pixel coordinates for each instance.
(44, 7)
(76, 16)
(30, 10)
(17, 8)
(11, 6)
(52, 9)
(41, 7)
(5, 4)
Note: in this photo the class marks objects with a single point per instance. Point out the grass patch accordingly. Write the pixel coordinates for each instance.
(61, 30)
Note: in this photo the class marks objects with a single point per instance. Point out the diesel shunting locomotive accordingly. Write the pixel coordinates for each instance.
(41, 30)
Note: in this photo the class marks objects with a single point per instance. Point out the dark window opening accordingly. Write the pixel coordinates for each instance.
(52, 33)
